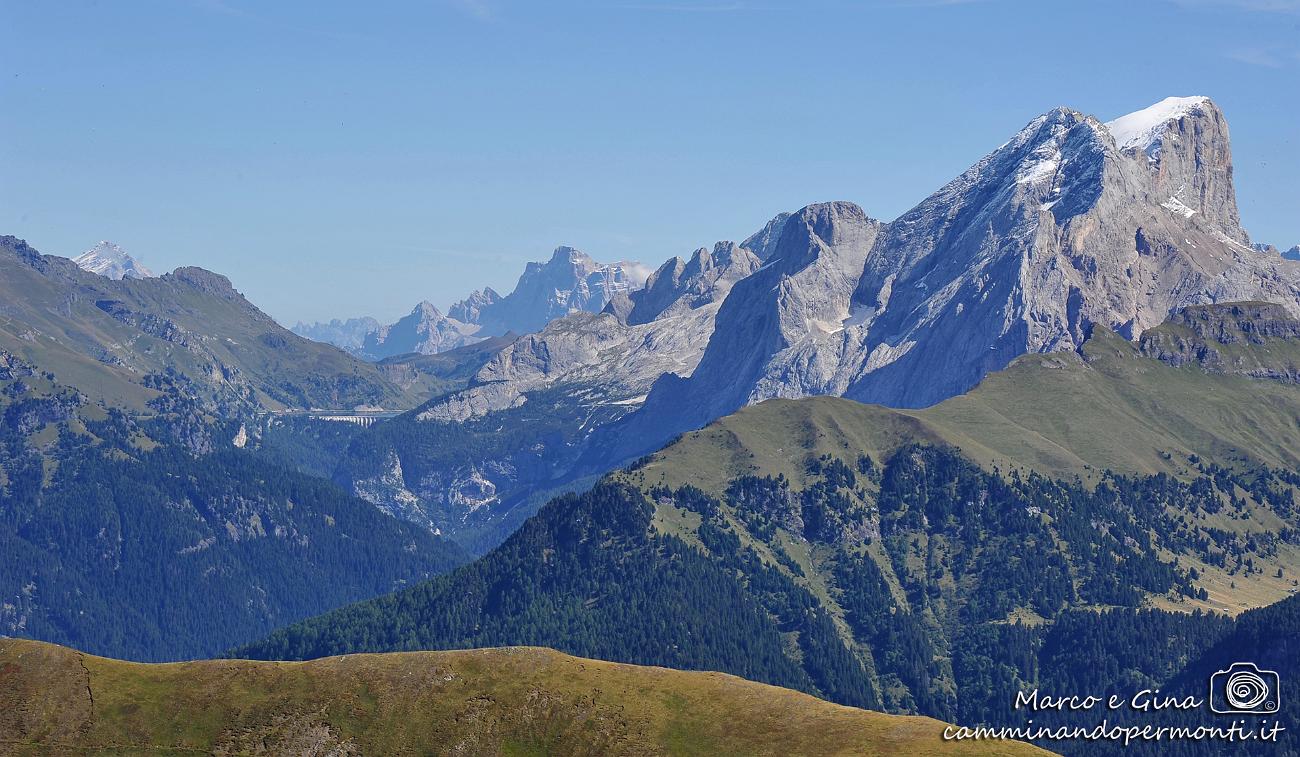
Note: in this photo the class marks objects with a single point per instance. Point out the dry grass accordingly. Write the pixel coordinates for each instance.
(517, 700)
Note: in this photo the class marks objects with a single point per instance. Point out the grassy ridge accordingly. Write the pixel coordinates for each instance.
(519, 700)
(104, 336)
(1060, 415)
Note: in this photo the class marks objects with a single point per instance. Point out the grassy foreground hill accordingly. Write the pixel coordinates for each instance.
(519, 700)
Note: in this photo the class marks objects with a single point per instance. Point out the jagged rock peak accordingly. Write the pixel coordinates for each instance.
(829, 219)
(469, 309)
(763, 242)
(564, 253)
(680, 284)
(426, 310)
(819, 228)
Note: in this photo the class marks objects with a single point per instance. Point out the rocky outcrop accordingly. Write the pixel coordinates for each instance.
(679, 286)
(470, 309)
(1212, 336)
(1183, 143)
(771, 326)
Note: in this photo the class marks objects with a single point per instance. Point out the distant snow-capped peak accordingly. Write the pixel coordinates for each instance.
(1140, 129)
(111, 261)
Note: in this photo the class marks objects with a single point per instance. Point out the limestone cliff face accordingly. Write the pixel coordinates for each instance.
(1061, 228)
(780, 331)
(1183, 143)
(1071, 223)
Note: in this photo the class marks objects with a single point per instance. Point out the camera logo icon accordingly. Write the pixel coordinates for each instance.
(1244, 689)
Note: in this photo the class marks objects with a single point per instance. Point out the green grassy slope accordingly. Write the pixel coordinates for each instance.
(105, 337)
(1060, 415)
(520, 701)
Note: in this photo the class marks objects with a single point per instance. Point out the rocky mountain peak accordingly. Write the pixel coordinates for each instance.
(469, 309)
(571, 281)
(1184, 145)
(426, 311)
(1070, 223)
(111, 261)
(840, 229)
(425, 331)
(572, 256)
(1143, 130)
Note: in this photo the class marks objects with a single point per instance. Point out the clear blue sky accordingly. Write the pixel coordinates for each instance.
(354, 160)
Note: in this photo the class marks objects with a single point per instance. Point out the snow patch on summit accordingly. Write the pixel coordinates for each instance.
(111, 261)
(1141, 129)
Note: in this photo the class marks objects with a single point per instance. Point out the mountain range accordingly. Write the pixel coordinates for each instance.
(1071, 225)
(1001, 442)
(570, 282)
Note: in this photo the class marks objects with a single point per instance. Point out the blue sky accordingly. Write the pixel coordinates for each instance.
(357, 158)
